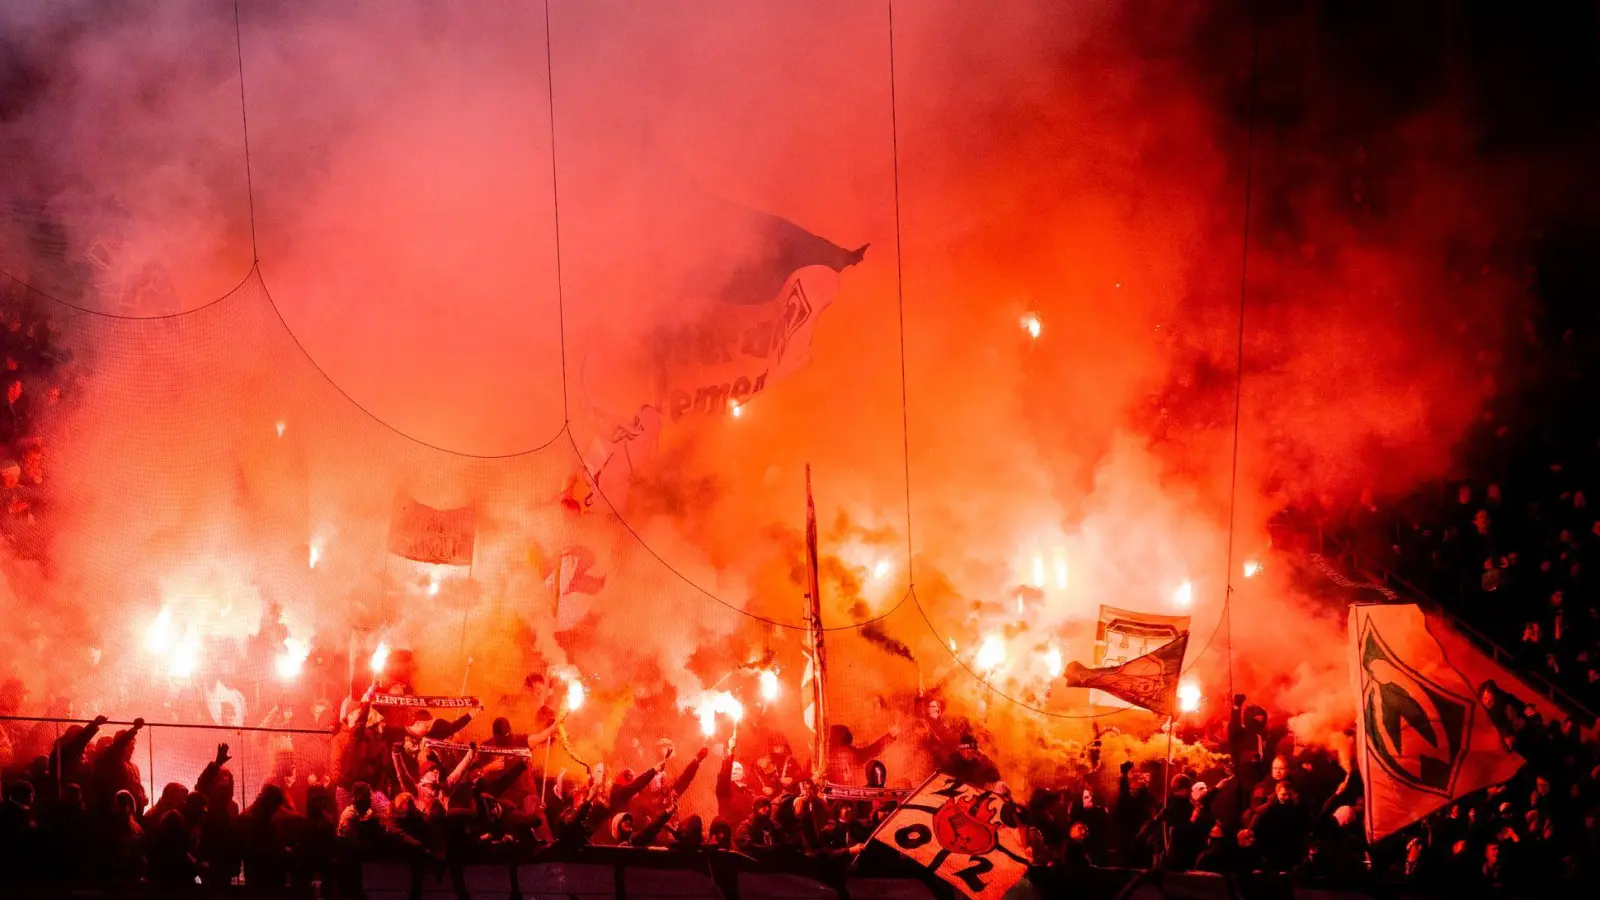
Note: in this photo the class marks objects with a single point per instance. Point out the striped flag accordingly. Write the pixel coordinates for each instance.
(812, 682)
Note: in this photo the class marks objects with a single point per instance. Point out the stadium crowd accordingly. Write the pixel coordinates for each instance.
(398, 788)
(33, 379)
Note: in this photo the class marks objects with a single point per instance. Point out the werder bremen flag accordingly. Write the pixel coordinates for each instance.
(1150, 681)
(965, 835)
(428, 535)
(1435, 715)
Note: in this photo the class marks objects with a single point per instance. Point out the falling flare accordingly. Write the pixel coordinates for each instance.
(1188, 696)
(1053, 662)
(1183, 596)
(1251, 567)
(991, 653)
(769, 685)
(1032, 325)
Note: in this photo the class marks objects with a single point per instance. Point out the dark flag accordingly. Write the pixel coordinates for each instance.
(1150, 681)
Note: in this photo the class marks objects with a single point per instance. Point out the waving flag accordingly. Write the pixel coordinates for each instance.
(1149, 681)
(1123, 635)
(428, 535)
(965, 835)
(1436, 717)
(729, 308)
(812, 681)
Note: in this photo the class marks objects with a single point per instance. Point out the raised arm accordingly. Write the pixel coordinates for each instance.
(689, 771)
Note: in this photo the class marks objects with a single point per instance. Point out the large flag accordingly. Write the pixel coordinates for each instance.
(428, 535)
(1123, 635)
(729, 307)
(812, 681)
(966, 835)
(1149, 681)
(1435, 715)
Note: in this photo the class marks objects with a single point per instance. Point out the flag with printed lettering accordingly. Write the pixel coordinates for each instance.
(1436, 717)
(967, 836)
(729, 307)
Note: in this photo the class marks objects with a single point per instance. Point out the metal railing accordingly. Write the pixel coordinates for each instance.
(178, 752)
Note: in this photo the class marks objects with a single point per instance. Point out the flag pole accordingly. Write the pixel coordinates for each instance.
(819, 717)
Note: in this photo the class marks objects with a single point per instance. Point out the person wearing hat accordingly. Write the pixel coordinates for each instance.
(969, 765)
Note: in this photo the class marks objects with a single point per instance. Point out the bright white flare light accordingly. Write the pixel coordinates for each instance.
(769, 685)
(736, 408)
(1251, 567)
(185, 657)
(1188, 696)
(158, 637)
(575, 693)
(715, 704)
(1032, 325)
(1038, 572)
(1183, 596)
(380, 658)
(1061, 574)
(952, 645)
(292, 660)
(881, 569)
(281, 426)
(433, 586)
(991, 653)
(316, 554)
(1053, 662)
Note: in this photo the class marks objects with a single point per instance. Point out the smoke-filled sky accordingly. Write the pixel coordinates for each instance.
(1083, 163)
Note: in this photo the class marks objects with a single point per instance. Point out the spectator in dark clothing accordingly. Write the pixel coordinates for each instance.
(969, 766)
(264, 842)
(114, 772)
(172, 863)
(1281, 829)
(122, 845)
(690, 834)
(735, 795)
(20, 836)
(758, 832)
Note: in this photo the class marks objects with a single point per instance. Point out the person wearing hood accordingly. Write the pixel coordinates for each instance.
(623, 833)
(735, 794)
(758, 832)
(114, 771)
(969, 765)
(67, 754)
(690, 835)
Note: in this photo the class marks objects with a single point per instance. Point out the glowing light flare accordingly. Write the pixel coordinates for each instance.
(736, 408)
(433, 585)
(184, 658)
(1183, 597)
(713, 704)
(1061, 574)
(952, 645)
(281, 426)
(881, 569)
(1188, 696)
(380, 658)
(1251, 567)
(1054, 662)
(991, 653)
(292, 660)
(1038, 572)
(575, 694)
(769, 685)
(1032, 325)
(158, 637)
(315, 555)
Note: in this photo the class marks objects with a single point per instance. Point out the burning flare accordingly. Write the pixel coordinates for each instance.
(991, 653)
(289, 663)
(714, 703)
(380, 658)
(575, 693)
(1183, 596)
(769, 685)
(1251, 567)
(1188, 696)
(1054, 662)
(1032, 325)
